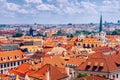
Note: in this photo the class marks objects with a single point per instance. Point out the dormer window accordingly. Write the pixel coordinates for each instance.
(3, 59)
(17, 57)
(23, 56)
(10, 57)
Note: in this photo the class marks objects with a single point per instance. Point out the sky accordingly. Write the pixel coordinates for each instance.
(58, 11)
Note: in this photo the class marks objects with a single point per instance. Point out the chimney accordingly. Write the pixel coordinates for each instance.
(51, 56)
(32, 63)
(47, 75)
(67, 70)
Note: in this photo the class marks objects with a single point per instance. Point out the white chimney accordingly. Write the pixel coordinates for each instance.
(67, 70)
(47, 75)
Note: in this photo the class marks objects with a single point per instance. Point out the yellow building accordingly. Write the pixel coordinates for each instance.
(29, 40)
(89, 42)
(31, 49)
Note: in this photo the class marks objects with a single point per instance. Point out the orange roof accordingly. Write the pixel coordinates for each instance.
(24, 69)
(9, 56)
(55, 74)
(102, 49)
(4, 77)
(49, 43)
(55, 61)
(76, 61)
(5, 41)
(74, 38)
(103, 63)
(47, 49)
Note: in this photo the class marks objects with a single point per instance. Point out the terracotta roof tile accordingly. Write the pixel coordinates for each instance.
(107, 61)
(15, 55)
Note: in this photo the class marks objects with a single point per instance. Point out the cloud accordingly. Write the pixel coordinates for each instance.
(110, 6)
(59, 7)
(89, 7)
(23, 11)
(12, 6)
(46, 7)
(34, 1)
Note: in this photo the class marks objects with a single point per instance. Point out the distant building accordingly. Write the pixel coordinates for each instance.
(8, 47)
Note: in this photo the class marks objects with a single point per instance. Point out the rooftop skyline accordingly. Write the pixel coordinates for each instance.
(58, 11)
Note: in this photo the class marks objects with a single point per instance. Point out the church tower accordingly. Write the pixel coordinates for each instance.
(100, 28)
(31, 31)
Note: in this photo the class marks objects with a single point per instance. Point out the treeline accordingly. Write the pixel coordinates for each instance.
(70, 35)
(115, 32)
(78, 32)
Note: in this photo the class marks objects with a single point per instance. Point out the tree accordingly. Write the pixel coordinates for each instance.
(116, 32)
(82, 75)
(18, 34)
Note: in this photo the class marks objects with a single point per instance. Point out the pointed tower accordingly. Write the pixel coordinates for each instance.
(31, 31)
(100, 28)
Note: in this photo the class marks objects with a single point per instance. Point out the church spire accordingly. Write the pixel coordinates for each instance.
(100, 28)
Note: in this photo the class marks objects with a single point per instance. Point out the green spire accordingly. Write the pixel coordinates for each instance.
(100, 28)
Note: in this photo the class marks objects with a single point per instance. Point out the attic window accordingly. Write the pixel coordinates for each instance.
(17, 57)
(3, 58)
(10, 57)
(24, 56)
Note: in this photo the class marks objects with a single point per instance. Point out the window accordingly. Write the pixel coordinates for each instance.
(11, 64)
(1, 71)
(4, 65)
(117, 75)
(3, 58)
(18, 63)
(7, 64)
(23, 55)
(17, 57)
(10, 57)
(113, 76)
(14, 64)
(1, 66)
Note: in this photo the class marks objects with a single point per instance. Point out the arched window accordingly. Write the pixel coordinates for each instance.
(84, 46)
(117, 75)
(88, 45)
(92, 45)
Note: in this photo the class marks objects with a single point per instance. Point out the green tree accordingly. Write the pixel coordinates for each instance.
(82, 75)
(18, 34)
(116, 32)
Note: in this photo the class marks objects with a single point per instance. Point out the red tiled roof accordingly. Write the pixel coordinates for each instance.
(12, 54)
(4, 77)
(55, 61)
(55, 74)
(76, 61)
(99, 62)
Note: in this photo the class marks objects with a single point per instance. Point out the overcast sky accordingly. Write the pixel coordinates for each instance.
(58, 11)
